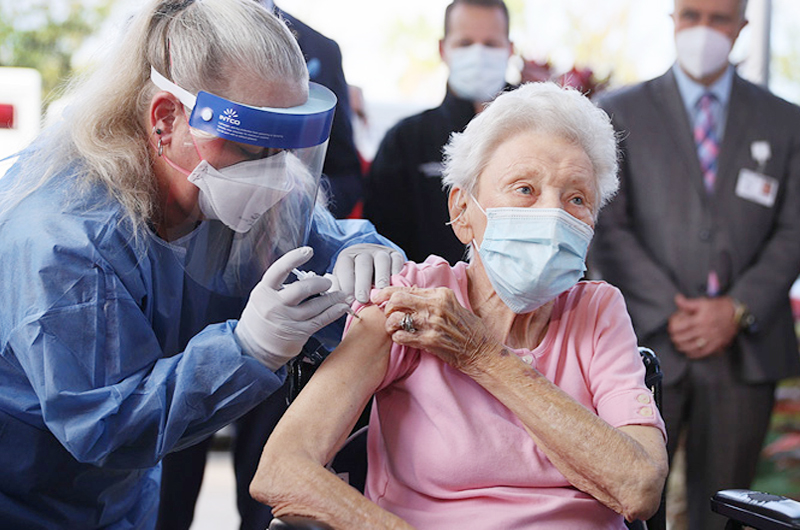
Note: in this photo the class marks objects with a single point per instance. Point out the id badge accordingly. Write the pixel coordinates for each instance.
(756, 187)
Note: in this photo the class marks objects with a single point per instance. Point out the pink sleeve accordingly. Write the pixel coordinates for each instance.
(616, 371)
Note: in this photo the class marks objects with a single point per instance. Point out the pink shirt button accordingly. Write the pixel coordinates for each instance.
(527, 358)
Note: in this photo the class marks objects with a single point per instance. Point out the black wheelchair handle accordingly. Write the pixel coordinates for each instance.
(757, 509)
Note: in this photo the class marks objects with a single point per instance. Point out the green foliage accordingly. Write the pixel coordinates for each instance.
(44, 35)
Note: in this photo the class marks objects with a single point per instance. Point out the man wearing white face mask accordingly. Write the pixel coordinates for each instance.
(403, 194)
(702, 241)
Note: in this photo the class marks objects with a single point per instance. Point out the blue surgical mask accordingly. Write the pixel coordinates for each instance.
(532, 255)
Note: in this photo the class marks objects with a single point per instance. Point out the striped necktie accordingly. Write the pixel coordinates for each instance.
(705, 137)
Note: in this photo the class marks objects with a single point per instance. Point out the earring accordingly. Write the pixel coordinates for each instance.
(158, 131)
(160, 147)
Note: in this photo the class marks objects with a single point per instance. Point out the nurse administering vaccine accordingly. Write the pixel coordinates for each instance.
(147, 242)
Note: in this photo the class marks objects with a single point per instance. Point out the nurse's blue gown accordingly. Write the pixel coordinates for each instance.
(111, 357)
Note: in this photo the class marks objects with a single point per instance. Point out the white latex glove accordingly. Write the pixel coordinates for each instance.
(276, 321)
(358, 265)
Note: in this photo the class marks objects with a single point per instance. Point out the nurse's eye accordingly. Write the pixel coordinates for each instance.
(254, 152)
(251, 152)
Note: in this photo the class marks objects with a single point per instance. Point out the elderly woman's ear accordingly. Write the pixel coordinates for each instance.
(457, 205)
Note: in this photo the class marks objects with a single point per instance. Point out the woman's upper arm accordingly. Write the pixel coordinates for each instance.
(325, 411)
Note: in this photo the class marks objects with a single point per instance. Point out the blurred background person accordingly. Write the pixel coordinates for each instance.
(342, 168)
(702, 239)
(403, 195)
(361, 129)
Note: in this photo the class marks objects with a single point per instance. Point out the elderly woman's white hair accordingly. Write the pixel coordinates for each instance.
(199, 45)
(537, 107)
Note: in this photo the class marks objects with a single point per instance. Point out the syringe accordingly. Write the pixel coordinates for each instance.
(308, 274)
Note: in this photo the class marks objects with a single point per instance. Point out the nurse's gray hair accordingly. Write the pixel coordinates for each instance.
(534, 107)
(199, 45)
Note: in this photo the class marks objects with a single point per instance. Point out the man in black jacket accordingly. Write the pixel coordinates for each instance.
(403, 196)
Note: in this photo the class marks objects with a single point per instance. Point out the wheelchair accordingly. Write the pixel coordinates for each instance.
(743, 508)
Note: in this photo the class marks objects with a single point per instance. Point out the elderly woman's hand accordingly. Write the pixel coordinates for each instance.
(438, 323)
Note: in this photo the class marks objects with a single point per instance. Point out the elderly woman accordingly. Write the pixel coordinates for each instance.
(133, 240)
(507, 393)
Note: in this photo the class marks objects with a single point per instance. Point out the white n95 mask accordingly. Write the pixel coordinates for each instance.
(240, 194)
(532, 255)
(702, 51)
(477, 72)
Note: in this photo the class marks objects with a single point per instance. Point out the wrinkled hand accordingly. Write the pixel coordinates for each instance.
(442, 325)
(702, 326)
(356, 267)
(278, 319)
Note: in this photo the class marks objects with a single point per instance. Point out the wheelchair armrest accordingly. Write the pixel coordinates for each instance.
(759, 510)
(296, 522)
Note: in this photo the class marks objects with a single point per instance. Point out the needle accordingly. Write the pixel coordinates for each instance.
(352, 313)
(301, 275)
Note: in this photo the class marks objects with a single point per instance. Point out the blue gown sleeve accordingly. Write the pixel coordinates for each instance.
(84, 362)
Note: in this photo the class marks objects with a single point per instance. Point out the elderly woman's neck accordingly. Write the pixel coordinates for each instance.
(513, 330)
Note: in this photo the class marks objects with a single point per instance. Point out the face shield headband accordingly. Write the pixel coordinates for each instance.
(305, 125)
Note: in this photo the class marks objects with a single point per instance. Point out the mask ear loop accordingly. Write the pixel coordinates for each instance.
(475, 243)
(449, 223)
(160, 151)
(160, 148)
(194, 142)
(478, 205)
(452, 222)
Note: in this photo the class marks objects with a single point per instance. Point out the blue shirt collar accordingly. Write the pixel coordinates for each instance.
(691, 90)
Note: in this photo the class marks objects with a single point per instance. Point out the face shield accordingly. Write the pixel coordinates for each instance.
(258, 180)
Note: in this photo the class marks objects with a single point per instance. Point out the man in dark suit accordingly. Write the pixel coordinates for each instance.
(183, 471)
(704, 242)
